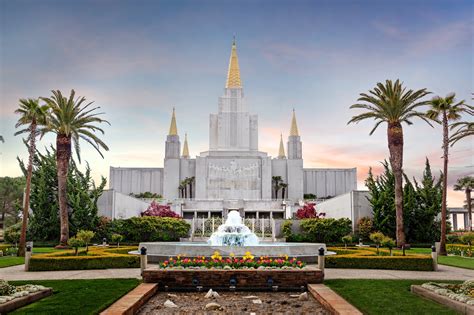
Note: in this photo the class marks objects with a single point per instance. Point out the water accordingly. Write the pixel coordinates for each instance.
(233, 233)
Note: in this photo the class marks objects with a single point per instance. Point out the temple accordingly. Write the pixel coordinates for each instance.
(233, 174)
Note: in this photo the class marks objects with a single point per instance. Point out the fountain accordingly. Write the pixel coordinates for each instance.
(232, 238)
(233, 233)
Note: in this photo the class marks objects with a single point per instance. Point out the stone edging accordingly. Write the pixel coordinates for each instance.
(332, 301)
(24, 300)
(460, 307)
(133, 300)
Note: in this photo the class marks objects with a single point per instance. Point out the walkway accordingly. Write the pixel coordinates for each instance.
(444, 273)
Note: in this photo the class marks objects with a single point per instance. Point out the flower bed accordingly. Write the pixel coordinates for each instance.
(459, 292)
(97, 258)
(13, 297)
(367, 258)
(248, 261)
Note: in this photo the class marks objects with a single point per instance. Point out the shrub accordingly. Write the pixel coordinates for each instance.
(325, 230)
(75, 243)
(117, 238)
(86, 237)
(146, 229)
(389, 243)
(368, 259)
(98, 258)
(5, 288)
(468, 239)
(346, 239)
(157, 210)
(286, 229)
(377, 238)
(103, 229)
(309, 196)
(12, 233)
(308, 211)
(366, 226)
(452, 238)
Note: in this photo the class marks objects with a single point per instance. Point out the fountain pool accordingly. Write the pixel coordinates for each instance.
(235, 238)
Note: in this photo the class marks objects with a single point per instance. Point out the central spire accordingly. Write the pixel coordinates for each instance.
(173, 129)
(233, 74)
(294, 126)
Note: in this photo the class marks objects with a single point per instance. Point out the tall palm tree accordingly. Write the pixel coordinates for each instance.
(32, 115)
(283, 187)
(276, 180)
(466, 183)
(462, 129)
(191, 181)
(71, 120)
(391, 103)
(443, 111)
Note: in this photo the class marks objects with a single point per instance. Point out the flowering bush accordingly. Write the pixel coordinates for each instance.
(459, 250)
(232, 262)
(157, 210)
(308, 211)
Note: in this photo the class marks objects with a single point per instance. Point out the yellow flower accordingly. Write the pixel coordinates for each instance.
(248, 255)
(231, 255)
(216, 255)
(286, 257)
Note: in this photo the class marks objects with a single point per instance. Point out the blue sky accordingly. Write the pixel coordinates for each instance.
(138, 59)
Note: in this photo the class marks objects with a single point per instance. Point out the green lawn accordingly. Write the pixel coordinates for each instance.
(78, 296)
(456, 261)
(385, 296)
(415, 251)
(7, 261)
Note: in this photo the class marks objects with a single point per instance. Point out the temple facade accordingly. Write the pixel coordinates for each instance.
(233, 174)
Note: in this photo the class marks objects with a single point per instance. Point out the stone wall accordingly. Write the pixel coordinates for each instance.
(329, 182)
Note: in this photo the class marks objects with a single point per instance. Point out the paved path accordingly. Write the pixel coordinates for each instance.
(444, 273)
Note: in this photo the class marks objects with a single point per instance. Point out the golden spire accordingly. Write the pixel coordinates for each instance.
(294, 127)
(185, 147)
(173, 128)
(281, 152)
(233, 74)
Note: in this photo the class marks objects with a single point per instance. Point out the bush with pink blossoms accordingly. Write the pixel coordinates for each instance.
(309, 211)
(157, 210)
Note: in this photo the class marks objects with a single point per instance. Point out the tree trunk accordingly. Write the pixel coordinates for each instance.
(283, 193)
(442, 242)
(185, 191)
(469, 207)
(395, 146)
(26, 206)
(63, 156)
(191, 190)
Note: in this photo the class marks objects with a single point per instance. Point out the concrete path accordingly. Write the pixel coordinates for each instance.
(444, 273)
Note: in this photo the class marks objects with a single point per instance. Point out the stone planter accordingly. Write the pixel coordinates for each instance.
(24, 300)
(239, 279)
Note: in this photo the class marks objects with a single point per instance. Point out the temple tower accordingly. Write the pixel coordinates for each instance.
(171, 175)
(295, 162)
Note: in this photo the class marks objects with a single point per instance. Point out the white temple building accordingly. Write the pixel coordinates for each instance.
(233, 174)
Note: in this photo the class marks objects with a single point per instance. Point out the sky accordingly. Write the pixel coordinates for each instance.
(139, 59)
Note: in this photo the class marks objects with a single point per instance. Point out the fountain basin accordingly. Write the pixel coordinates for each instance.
(160, 251)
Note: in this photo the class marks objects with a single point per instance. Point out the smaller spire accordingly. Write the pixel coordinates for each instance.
(185, 147)
(173, 128)
(294, 126)
(281, 151)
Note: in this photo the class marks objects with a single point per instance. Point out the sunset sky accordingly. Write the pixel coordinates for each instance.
(139, 59)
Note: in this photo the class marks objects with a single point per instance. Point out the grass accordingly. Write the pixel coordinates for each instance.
(456, 261)
(8, 261)
(385, 296)
(78, 296)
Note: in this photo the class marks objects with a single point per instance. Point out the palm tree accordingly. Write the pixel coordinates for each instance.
(191, 181)
(276, 184)
(464, 129)
(32, 115)
(392, 104)
(283, 187)
(443, 111)
(71, 120)
(467, 184)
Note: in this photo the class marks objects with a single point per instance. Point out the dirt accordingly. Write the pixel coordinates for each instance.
(233, 303)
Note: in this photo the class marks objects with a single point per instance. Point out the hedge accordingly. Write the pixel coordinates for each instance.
(459, 250)
(97, 258)
(151, 229)
(354, 258)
